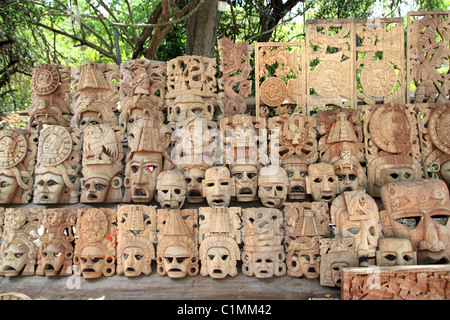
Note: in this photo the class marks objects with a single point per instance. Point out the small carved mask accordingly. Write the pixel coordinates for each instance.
(304, 258)
(176, 261)
(218, 186)
(297, 169)
(53, 258)
(273, 184)
(190, 105)
(8, 188)
(171, 189)
(263, 263)
(246, 181)
(218, 262)
(15, 256)
(395, 252)
(95, 189)
(92, 262)
(322, 182)
(49, 188)
(133, 261)
(194, 176)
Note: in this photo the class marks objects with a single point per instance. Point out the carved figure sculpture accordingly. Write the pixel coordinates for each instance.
(355, 214)
(18, 149)
(322, 182)
(18, 249)
(218, 186)
(419, 211)
(335, 254)
(273, 186)
(263, 254)
(235, 68)
(191, 88)
(391, 144)
(427, 53)
(148, 141)
(305, 224)
(58, 166)
(136, 235)
(395, 252)
(219, 237)
(434, 130)
(95, 253)
(171, 189)
(56, 250)
(102, 164)
(50, 96)
(177, 249)
(95, 88)
(287, 59)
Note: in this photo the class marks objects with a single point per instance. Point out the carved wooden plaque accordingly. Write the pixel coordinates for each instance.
(235, 67)
(396, 283)
(136, 235)
(427, 54)
(280, 77)
(95, 253)
(18, 149)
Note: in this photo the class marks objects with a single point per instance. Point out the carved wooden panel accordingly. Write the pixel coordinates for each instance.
(58, 165)
(219, 238)
(434, 136)
(102, 164)
(396, 283)
(95, 88)
(419, 211)
(18, 149)
(95, 253)
(263, 254)
(330, 58)
(280, 77)
(177, 250)
(235, 68)
(391, 144)
(142, 90)
(19, 248)
(380, 60)
(136, 235)
(50, 95)
(56, 250)
(427, 56)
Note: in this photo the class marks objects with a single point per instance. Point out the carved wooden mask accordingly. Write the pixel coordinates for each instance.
(102, 164)
(273, 185)
(171, 189)
(50, 95)
(58, 166)
(18, 150)
(219, 237)
(263, 254)
(355, 214)
(419, 211)
(218, 186)
(136, 235)
(95, 254)
(18, 249)
(55, 255)
(395, 252)
(177, 249)
(322, 182)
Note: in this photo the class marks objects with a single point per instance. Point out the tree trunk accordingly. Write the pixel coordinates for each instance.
(202, 30)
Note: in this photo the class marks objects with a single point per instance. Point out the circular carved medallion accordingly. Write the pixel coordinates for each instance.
(378, 78)
(273, 92)
(329, 79)
(13, 148)
(55, 146)
(390, 130)
(93, 226)
(45, 79)
(439, 126)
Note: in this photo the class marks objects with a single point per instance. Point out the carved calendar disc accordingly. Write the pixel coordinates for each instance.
(439, 126)
(45, 79)
(329, 79)
(55, 146)
(390, 130)
(13, 148)
(273, 92)
(378, 78)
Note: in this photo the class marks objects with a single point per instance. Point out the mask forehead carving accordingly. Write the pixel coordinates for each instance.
(18, 150)
(94, 254)
(273, 184)
(321, 182)
(218, 186)
(177, 250)
(245, 181)
(136, 235)
(419, 211)
(171, 189)
(355, 214)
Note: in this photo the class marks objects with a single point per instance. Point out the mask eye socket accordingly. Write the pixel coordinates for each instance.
(353, 230)
(409, 222)
(440, 219)
(407, 258)
(390, 257)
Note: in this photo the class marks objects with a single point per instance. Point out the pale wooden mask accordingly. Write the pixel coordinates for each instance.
(395, 252)
(273, 185)
(171, 189)
(218, 186)
(322, 182)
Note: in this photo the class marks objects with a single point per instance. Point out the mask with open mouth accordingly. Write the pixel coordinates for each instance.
(218, 186)
(171, 189)
(322, 182)
(273, 184)
(246, 181)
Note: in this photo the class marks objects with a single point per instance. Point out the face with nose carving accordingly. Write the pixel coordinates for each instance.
(273, 185)
(218, 186)
(176, 261)
(92, 262)
(171, 189)
(246, 181)
(218, 262)
(322, 182)
(48, 188)
(133, 261)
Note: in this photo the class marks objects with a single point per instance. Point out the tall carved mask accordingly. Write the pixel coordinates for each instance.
(322, 182)
(171, 189)
(273, 185)
(419, 211)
